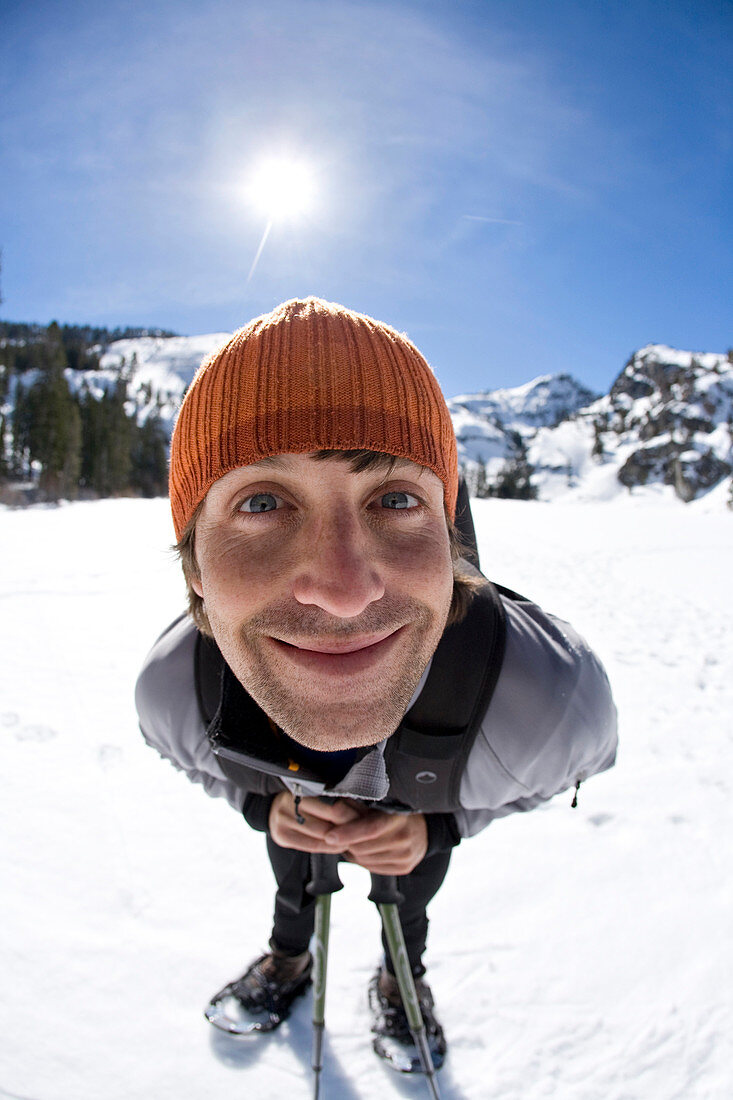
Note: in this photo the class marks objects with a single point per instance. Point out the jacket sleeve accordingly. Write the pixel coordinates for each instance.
(551, 722)
(168, 711)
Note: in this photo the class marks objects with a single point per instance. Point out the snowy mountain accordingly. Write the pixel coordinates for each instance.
(665, 426)
(493, 427)
(160, 369)
(544, 402)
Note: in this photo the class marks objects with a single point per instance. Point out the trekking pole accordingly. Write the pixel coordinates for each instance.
(385, 894)
(324, 882)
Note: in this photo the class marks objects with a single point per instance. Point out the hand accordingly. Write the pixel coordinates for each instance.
(386, 844)
(319, 818)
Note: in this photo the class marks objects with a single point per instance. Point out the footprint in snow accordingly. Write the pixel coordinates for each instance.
(36, 733)
(134, 902)
(109, 756)
(600, 819)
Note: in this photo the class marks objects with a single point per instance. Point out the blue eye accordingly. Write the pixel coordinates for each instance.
(259, 502)
(398, 500)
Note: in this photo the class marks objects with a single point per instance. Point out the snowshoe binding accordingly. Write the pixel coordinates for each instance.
(392, 1039)
(262, 998)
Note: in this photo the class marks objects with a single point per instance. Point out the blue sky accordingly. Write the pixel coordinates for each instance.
(522, 186)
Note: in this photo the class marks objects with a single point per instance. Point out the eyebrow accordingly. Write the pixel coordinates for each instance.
(269, 460)
(279, 461)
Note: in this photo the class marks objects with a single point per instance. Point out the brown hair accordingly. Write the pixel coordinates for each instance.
(466, 580)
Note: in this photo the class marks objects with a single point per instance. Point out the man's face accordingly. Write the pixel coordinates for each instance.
(327, 591)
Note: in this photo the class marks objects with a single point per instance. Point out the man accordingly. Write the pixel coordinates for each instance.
(345, 678)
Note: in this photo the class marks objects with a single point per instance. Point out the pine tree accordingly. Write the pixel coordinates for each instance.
(3, 454)
(61, 441)
(482, 481)
(47, 424)
(119, 430)
(599, 427)
(92, 439)
(4, 385)
(515, 478)
(149, 471)
(108, 434)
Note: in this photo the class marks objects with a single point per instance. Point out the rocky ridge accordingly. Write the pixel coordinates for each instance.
(666, 425)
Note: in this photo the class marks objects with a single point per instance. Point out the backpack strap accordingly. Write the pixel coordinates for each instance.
(427, 755)
(208, 666)
(464, 525)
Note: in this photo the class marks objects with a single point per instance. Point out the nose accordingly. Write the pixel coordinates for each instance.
(339, 571)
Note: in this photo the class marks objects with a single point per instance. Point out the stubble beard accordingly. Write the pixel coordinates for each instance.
(326, 715)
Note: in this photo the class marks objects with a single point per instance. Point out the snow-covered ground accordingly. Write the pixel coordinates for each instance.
(578, 954)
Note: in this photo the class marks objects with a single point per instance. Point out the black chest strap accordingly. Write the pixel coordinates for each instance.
(208, 672)
(426, 756)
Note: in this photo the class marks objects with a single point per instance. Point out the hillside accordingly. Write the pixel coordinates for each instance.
(665, 426)
(664, 429)
(493, 429)
(161, 369)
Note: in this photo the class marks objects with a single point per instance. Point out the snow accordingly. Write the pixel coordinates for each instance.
(543, 400)
(162, 368)
(662, 353)
(484, 423)
(573, 953)
(555, 415)
(167, 362)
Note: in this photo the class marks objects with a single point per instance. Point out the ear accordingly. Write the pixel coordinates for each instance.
(197, 586)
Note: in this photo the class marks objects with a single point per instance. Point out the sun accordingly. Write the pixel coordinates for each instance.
(281, 188)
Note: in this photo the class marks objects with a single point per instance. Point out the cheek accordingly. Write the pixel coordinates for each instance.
(236, 571)
(423, 565)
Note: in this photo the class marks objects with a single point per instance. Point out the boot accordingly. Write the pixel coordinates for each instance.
(392, 1039)
(262, 998)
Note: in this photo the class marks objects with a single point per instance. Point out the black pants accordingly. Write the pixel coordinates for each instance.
(295, 909)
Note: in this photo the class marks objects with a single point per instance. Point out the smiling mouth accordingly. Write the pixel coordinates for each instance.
(337, 648)
(339, 657)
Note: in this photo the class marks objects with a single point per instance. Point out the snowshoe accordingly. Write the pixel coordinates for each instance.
(392, 1039)
(262, 998)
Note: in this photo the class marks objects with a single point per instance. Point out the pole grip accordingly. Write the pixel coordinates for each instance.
(324, 875)
(384, 890)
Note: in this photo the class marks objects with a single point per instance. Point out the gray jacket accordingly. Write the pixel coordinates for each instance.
(551, 723)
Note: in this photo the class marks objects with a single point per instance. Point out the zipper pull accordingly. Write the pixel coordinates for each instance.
(574, 803)
(298, 815)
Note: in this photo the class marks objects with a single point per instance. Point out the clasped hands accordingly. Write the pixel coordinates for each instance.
(386, 844)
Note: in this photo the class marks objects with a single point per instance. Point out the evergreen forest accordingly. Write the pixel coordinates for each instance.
(61, 438)
(512, 481)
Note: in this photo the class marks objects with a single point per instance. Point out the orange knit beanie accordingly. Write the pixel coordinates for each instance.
(309, 376)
